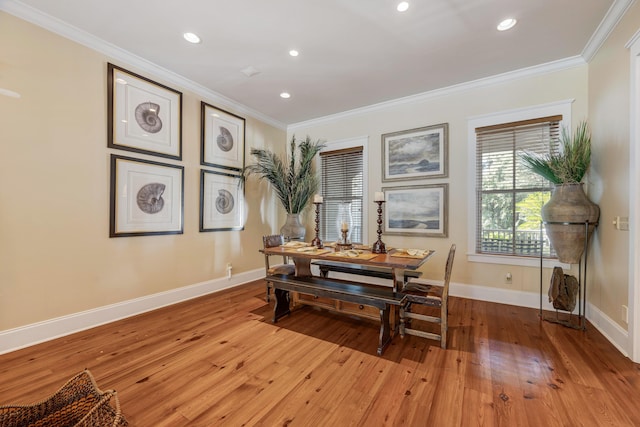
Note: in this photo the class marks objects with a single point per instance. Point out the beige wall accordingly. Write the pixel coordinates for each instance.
(455, 109)
(55, 254)
(609, 106)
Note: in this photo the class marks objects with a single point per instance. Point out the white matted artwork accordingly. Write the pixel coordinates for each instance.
(221, 201)
(222, 138)
(416, 210)
(415, 153)
(146, 197)
(144, 116)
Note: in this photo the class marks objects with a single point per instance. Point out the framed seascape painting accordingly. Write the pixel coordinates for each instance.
(222, 138)
(143, 116)
(146, 197)
(415, 153)
(221, 201)
(416, 210)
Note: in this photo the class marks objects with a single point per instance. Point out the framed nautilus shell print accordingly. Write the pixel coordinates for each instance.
(146, 197)
(221, 201)
(144, 116)
(222, 138)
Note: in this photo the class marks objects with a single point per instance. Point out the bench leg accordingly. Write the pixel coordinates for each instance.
(385, 328)
(281, 307)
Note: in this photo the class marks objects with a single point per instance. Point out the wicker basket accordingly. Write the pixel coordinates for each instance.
(77, 403)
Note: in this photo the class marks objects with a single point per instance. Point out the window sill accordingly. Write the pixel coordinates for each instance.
(514, 260)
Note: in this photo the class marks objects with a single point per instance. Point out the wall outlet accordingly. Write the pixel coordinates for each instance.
(625, 314)
(621, 223)
(508, 278)
(229, 268)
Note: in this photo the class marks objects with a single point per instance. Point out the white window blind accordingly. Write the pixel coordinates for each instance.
(342, 182)
(509, 196)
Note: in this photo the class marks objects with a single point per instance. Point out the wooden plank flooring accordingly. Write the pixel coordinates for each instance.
(219, 361)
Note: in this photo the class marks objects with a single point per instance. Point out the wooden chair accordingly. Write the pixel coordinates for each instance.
(284, 268)
(423, 292)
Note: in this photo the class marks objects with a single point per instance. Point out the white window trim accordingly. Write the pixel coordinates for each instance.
(528, 113)
(341, 144)
(633, 347)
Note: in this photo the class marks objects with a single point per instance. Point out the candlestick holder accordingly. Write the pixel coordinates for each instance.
(379, 246)
(316, 241)
(344, 244)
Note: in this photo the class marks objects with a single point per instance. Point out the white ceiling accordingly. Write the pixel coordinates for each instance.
(353, 53)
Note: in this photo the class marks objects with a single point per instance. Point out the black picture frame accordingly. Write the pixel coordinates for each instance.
(222, 138)
(144, 116)
(222, 206)
(146, 197)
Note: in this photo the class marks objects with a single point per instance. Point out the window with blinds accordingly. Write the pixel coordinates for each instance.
(509, 196)
(342, 187)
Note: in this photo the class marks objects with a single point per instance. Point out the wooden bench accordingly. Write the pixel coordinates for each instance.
(362, 270)
(361, 294)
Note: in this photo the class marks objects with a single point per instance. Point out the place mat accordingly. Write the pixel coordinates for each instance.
(352, 255)
(404, 253)
(309, 250)
(294, 244)
(355, 246)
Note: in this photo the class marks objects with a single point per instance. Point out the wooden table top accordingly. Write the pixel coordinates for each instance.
(395, 258)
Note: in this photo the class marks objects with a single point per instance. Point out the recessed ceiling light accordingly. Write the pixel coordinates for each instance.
(402, 6)
(191, 38)
(294, 52)
(121, 81)
(285, 95)
(507, 24)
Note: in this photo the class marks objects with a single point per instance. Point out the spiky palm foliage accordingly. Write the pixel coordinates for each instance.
(294, 183)
(570, 164)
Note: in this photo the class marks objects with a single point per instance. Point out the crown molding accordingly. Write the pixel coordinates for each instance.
(112, 51)
(549, 67)
(608, 23)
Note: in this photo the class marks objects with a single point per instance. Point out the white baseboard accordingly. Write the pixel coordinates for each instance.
(25, 336)
(613, 332)
(603, 323)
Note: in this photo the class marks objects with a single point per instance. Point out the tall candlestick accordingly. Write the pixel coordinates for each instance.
(316, 241)
(379, 246)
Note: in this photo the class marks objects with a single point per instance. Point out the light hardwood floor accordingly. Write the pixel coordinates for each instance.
(218, 360)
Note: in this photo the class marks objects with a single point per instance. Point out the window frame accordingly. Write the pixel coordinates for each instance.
(528, 113)
(342, 144)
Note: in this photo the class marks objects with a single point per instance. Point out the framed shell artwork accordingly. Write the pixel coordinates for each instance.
(222, 138)
(143, 116)
(146, 197)
(221, 201)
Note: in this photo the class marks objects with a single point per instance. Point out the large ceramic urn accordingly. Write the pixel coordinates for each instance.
(292, 228)
(565, 216)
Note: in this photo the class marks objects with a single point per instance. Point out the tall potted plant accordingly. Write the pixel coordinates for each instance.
(569, 209)
(294, 181)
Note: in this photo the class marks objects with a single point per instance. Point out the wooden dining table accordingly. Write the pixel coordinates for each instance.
(398, 260)
(363, 299)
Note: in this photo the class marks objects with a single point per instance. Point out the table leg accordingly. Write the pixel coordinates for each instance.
(398, 286)
(281, 307)
(385, 328)
(398, 279)
(303, 267)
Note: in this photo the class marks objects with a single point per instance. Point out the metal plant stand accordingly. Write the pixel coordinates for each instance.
(582, 281)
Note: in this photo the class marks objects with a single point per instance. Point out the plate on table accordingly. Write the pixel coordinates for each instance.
(411, 253)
